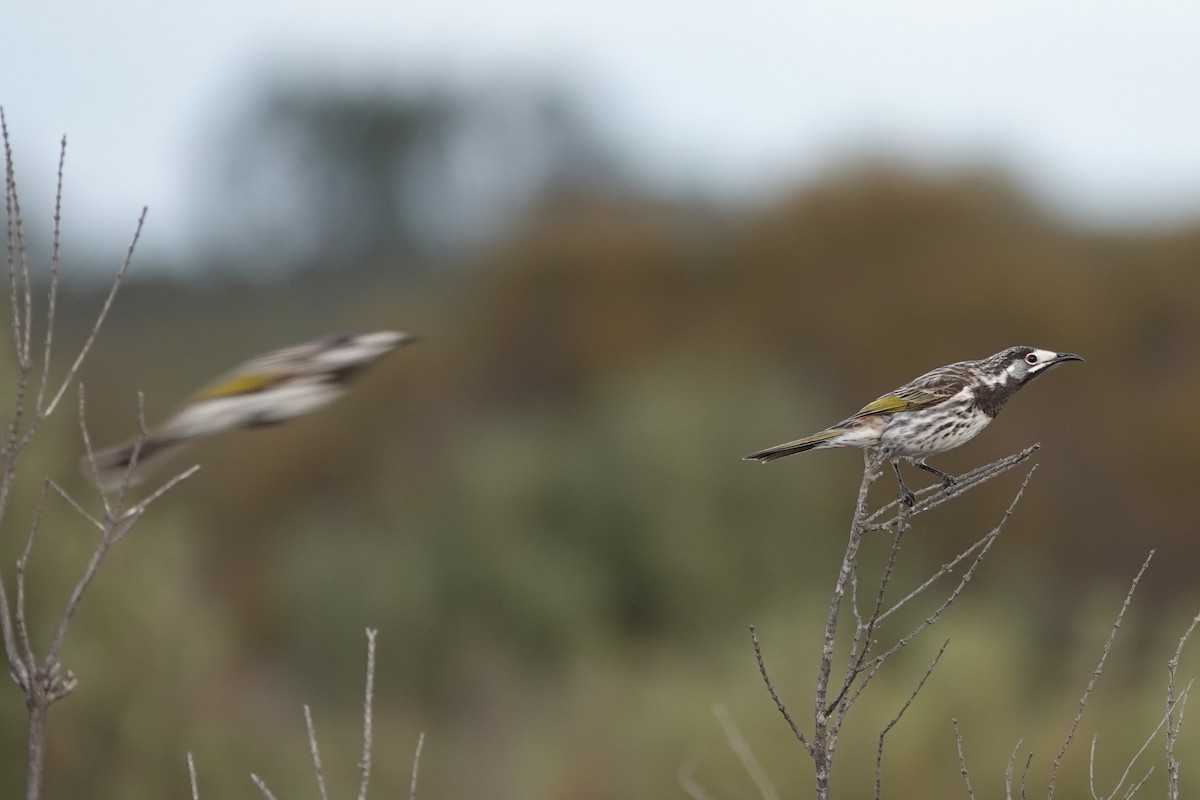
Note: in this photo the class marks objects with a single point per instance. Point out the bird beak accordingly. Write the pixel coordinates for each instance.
(1060, 357)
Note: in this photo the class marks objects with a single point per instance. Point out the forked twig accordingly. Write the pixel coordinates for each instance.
(1175, 709)
(829, 714)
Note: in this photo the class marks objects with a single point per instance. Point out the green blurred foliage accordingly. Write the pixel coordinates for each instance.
(544, 511)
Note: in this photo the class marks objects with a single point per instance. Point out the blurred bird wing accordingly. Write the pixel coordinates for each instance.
(239, 383)
(258, 374)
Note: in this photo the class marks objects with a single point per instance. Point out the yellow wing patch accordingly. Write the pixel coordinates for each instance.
(894, 403)
(238, 384)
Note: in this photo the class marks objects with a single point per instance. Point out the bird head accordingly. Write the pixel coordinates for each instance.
(358, 349)
(1023, 364)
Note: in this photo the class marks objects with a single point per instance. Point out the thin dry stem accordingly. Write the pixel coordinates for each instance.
(896, 719)
(962, 759)
(745, 754)
(1008, 772)
(1175, 708)
(412, 785)
(192, 776)
(315, 752)
(1132, 761)
(822, 750)
(1112, 635)
(829, 715)
(364, 765)
(55, 264)
(762, 670)
(965, 482)
(687, 781)
(262, 787)
(109, 299)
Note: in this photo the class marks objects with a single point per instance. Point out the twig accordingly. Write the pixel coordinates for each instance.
(1135, 788)
(315, 752)
(1146, 744)
(964, 483)
(1174, 722)
(55, 263)
(1008, 772)
(962, 759)
(412, 786)
(20, 619)
(741, 749)
(364, 765)
(984, 546)
(822, 751)
(109, 299)
(762, 670)
(192, 776)
(860, 647)
(262, 787)
(896, 719)
(1112, 635)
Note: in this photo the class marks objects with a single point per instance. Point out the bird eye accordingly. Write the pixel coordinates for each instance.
(1031, 359)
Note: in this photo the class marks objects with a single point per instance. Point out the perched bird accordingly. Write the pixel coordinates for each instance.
(940, 410)
(264, 391)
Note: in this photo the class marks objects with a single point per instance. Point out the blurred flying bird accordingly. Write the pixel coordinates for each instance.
(940, 410)
(264, 391)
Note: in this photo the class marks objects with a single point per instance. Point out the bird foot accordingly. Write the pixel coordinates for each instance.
(908, 498)
(949, 482)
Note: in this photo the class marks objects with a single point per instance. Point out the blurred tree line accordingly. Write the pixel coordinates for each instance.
(543, 507)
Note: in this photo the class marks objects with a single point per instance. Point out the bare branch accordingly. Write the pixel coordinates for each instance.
(75, 504)
(1008, 772)
(962, 760)
(1112, 635)
(262, 787)
(687, 781)
(762, 670)
(20, 619)
(1175, 721)
(964, 483)
(1135, 788)
(894, 720)
(192, 776)
(364, 765)
(55, 264)
(315, 752)
(1145, 745)
(118, 279)
(412, 786)
(745, 754)
(860, 647)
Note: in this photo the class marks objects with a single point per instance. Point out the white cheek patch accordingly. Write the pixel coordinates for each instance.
(1043, 357)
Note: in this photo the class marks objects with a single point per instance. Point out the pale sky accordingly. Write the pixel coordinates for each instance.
(1092, 104)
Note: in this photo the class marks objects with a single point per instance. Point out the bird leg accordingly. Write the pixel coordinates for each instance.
(906, 496)
(947, 480)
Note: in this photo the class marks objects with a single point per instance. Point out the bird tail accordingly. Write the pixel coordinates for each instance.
(113, 463)
(791, 448)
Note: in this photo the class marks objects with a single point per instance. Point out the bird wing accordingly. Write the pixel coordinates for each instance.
(928, 390)
(259, 374)
(239, 384)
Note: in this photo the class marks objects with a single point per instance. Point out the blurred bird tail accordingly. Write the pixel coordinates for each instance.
(813, 442)
(112, 464)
